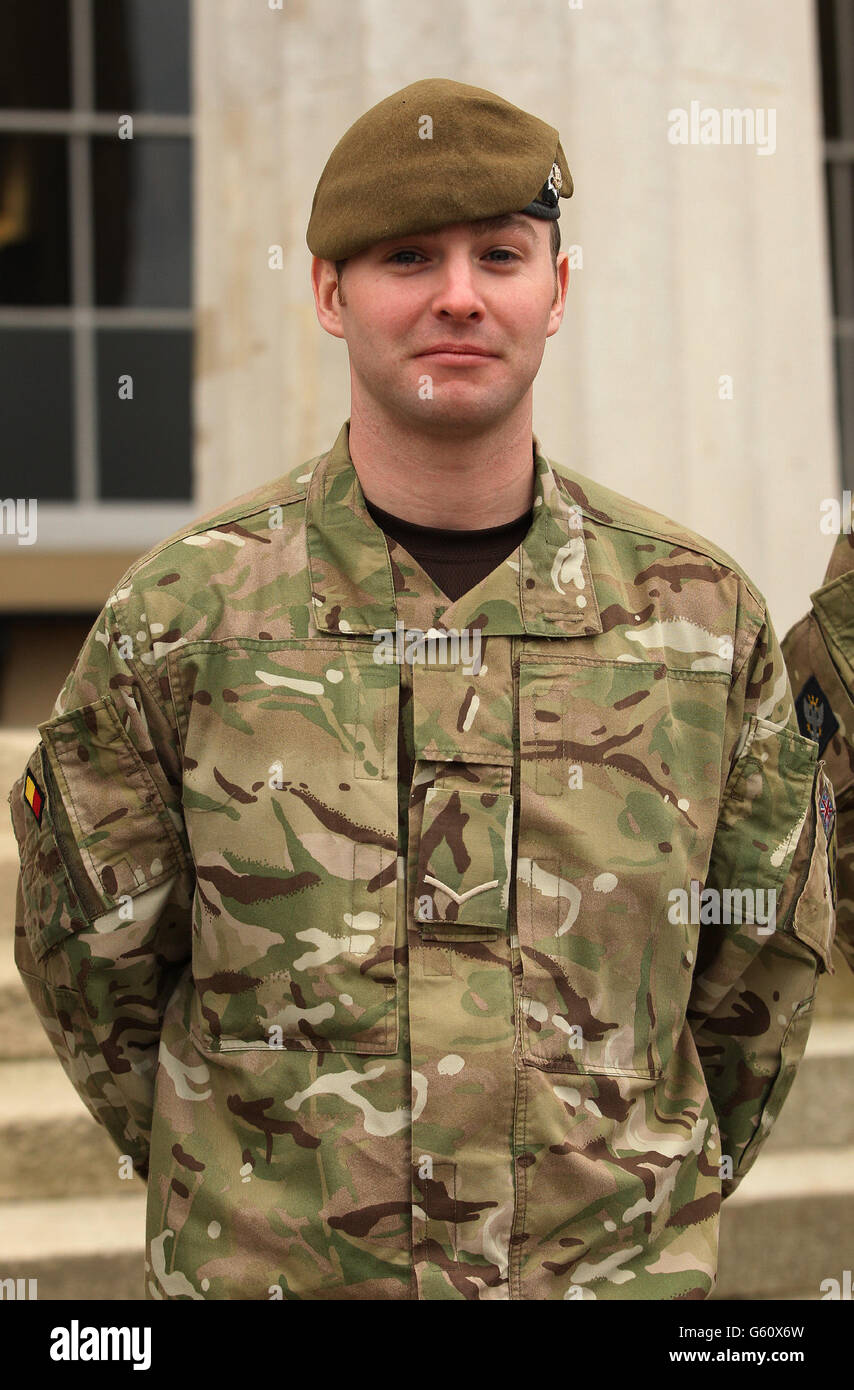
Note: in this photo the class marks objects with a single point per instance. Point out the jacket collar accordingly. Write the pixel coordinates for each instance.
(545, 589)
(834, 606)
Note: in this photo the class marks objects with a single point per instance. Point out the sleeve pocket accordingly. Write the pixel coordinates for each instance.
(764, 809)
(51, 908)
(104, 832)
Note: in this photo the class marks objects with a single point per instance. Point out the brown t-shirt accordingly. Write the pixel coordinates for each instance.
(455, 560)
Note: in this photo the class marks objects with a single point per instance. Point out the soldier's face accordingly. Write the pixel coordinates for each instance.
(409, 309)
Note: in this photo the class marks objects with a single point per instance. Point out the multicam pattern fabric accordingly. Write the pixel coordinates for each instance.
(389, 975)
(819, 654)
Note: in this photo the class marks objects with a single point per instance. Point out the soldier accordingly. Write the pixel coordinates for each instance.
(424, 878)
(819, 654)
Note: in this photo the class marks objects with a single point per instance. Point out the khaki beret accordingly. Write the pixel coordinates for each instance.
(434, 153)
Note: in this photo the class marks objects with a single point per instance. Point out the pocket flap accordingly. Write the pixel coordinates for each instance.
(110, 819)
(50, 907)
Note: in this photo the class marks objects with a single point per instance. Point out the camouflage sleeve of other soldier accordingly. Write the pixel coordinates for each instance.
(751, 1004)
(819, 654)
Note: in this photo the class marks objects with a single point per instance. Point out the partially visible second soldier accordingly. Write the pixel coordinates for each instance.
(819, 654)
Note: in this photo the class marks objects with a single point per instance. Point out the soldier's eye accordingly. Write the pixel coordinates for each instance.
(504, 251)
(396, 254)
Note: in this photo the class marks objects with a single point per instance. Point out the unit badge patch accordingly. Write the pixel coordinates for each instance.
(816, 719)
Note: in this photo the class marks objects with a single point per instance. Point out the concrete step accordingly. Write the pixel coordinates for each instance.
(788, 1226)
(21, 1033)
(76, 1248)
(50, 1145)
(16, 745)
(835, 994)
(9, 866)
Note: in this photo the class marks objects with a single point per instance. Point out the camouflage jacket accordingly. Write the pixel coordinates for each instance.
(819, 654)
(388, 963)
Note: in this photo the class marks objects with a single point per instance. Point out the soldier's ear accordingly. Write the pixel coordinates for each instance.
(324, 284)
(561, 289)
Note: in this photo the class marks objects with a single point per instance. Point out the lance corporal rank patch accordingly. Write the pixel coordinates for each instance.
(816, 719)
(34, 797)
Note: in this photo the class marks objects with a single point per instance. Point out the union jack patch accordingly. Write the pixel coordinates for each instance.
(34, 796)
(827, 811)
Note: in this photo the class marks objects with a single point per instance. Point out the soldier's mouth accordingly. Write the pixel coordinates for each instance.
(457, 354)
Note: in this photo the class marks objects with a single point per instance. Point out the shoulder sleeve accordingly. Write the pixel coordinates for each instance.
(105, 888)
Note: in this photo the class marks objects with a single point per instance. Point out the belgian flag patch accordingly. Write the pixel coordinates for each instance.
(34, 796)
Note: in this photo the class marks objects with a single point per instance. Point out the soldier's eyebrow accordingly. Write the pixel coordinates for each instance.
(507, 220)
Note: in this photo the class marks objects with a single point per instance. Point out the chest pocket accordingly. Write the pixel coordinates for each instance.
(290, 800)
(619, 790)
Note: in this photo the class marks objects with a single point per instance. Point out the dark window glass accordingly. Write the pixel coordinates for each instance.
(829, 60)
(845, 405)
(835, 28)
(34, 55)
(141, 196)
(142, 55)
(36, 414)
(34, 236)
(840, 208)
(144, 443)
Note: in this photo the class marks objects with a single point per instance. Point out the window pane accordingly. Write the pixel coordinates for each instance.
(36, 411)
(34, 55)
(142, 55)
(144, 443)
(835, 31)
(845, 398)
(829, 59)
(840, 207)
(33, 220)
(141, 196)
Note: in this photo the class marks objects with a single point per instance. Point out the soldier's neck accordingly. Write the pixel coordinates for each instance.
(460, 484)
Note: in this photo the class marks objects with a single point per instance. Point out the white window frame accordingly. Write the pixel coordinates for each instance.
(88, 523)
